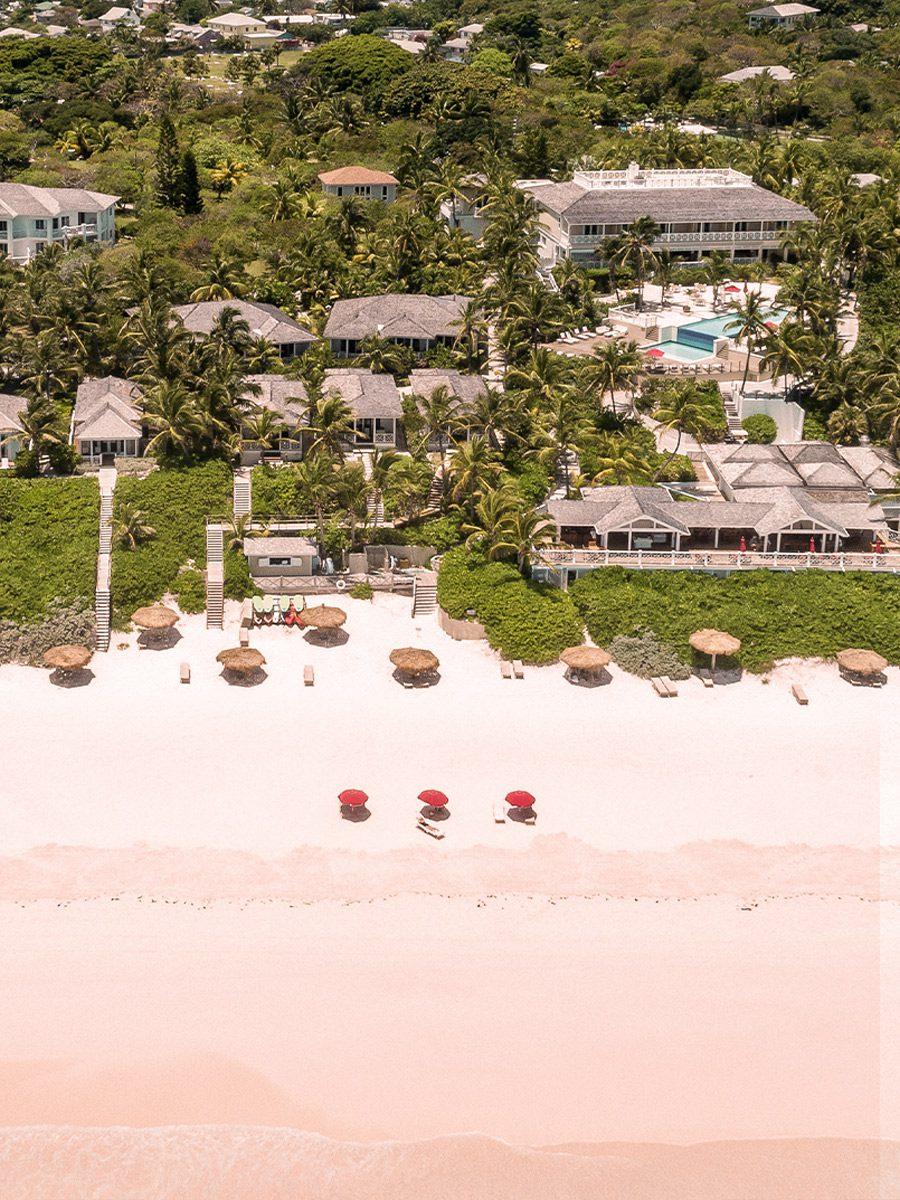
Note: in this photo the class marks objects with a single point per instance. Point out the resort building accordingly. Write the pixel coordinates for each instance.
(360, 182)
(697, 211)
(10, 427)
(784, 16)
(264, 320)
(31, 217)
(107, 419)
(287, 399)
(832, 474)
(421, 322)
(374, 401)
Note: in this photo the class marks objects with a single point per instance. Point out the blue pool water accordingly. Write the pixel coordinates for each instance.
(702, 334)
(682, 352)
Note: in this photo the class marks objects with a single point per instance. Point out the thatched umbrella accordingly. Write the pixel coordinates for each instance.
(324, 616)
(411, 661)
(242, 660)
(154, 618)
(714, 642)
(66, 659)
(864, 663)
(589, 659)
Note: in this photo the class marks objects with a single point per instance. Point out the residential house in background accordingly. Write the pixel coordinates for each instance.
(374, 401)
(118, 18)
(264, 320)
(11, 408)
(287, 400)
(236, 24)
(360, 182)
(784, 16)
(777, 74)
(31, 217)
(421, 322)
(697, 211)
(107, 419)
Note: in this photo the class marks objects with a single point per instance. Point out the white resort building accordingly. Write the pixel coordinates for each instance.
(31, 217)
(697, 211)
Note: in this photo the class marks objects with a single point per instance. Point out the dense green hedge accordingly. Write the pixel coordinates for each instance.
(49, 532)
(176, 504)
(524, 620)
(776, 615)
(274, 492)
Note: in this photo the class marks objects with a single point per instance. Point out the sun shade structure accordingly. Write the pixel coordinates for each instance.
(861, 662)
(323, 616)
(433, 798)
(414, 662)
(154, 617)
(520, 799)
(353, 798)
(68, 658)
(714, 642)
(243, 660)
(586, 658)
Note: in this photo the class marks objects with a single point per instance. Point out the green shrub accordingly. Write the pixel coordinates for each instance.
(362, 591)
(190, 591)
(176, 504)
(524, 620)
(48, 545)
(644, 655)
(776, 615)
(814, 430)
(274, 492)
(761, 428)
(71, 624)
(238, 583)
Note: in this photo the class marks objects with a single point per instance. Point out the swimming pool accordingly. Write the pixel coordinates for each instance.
(681, 351)
(702, 334)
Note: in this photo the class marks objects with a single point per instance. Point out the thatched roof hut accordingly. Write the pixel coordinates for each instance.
(586, 658)
(68, 658)
(714, 642)
(864, 663)
(324, 616)
(412, 661)
(243, 660)
(154, 617)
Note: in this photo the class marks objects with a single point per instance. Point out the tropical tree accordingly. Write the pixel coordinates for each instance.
(331, 425)
(130, 526)
(473, 469)
(748, 326)
(170, 412)
(224, 281)
(613, 367)
(686, 408)
(634, 251)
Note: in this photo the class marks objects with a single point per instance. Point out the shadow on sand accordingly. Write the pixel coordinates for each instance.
(72, 679)
(165, 639)
(355, 813)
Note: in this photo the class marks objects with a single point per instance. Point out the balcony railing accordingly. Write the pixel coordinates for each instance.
(723, 236)
(712, 560)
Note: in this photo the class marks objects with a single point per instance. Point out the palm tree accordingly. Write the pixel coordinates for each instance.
(41, 425)
(380, 465)
(351, 492)
(689, 409)
(224, 280)
(331, 424)
(614, 367)
(226, 175)
(407, 488)
(383, 357)
(847, 424)
(748, 325)
(487, 530)
(440, 415)
(170, 411)
(263, 427)
(665, 273)
(314, 478)
(495, 414)
(785, 352)
(473, 469)
(130, 526)
(634, 250)
(563, 431)
(282, 200)
(717, 267)
(622, 463)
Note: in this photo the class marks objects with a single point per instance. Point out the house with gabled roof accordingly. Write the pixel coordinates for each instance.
(374, 401)
(11, 408)
(264, 320)
(419, 321)
(107, 419)
(361, 183)
(783, 16)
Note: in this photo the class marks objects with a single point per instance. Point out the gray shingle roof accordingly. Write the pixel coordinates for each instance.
(106, 408)
(10, 408)
(22, 200)
(466, 388)
(396, 315)
(266, 547)
(611, 207)
(367, 394)
(287, 398)
(815, 465)
(265, 320)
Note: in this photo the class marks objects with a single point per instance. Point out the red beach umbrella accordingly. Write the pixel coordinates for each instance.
(771, 324)
(433, 798)
(353, 798)
(731, 288)
(655, 353)
(520, 799)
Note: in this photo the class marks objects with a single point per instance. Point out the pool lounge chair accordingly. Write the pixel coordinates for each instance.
(506, 670)
(518, 668)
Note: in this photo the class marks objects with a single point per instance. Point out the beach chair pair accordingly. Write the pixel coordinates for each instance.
(512, 670)
(799, 695)
(663, 686)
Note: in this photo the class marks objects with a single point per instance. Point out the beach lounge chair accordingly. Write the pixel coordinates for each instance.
(299, 602)
(506, 669)
(431, 830)
(277, 610)
(268, 609)
(799, 695)
(705, 678)
(670, 686)
(660, 688)
(309, 675)
(258, 610)
(518, 669)
(185, 672)
(499, 813)
(244, 637)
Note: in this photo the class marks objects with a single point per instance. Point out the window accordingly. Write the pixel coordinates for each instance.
(40, 225)
(3, 227)
(64, 222)
(82, 218)
(280, 562)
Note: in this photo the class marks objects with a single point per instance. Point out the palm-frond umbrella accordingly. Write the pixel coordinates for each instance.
(585, 660)
(864, 664)
(241, 660)
(714, 642)
(66, 659)
(324, 618)
(412, 661)
(154, 618)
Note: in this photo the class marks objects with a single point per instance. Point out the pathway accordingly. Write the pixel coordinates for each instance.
(102, 604)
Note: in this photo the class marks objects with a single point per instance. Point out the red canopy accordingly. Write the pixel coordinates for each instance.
(654, 353)
(433, 797)
(353, 797)
(520, 799)
(732, 288)
(771, 324)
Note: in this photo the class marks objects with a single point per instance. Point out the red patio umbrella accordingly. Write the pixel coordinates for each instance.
(771, 324)
(743, 545)
(520, 799)
(731, 288)
(433, 798)
(353, 797)
(655, 353)
(812, 545)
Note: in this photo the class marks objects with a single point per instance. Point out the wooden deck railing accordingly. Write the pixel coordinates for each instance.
(711, 560)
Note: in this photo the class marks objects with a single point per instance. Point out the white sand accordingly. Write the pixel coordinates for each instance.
(697, 942)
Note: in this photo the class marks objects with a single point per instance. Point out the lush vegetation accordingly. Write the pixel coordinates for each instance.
(760, 428)
(643, 654)
(523, 620)
(776, 615)
(48, 546)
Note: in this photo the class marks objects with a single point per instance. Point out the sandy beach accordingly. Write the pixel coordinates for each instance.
(673, 985)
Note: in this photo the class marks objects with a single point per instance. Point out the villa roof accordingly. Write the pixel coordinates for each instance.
(290, 546)
(466, 388)
(10, 409)
(845, 472)
(609, 508)
(355, 175)
(287, 398)
(396, 315)
(782, 10)
(367, 394)
(875, 465)
(265, 320)
(23, 200)
(233, 20)
(582, 205)
(779, 74)
(106, 409)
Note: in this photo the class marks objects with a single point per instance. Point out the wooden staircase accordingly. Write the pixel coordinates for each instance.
(424, 594)
(736, 431)
(215, 577)
(242, 496)
(102, 598)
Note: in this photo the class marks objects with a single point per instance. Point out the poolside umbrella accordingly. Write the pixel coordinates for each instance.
(434, 799)
(155, 618)
(743, 545)
(66, 659)
(655, 352)
(353, 798)
(714, 642)
(242, 660)
(520, 799)
(732, 288)
(412, 661)
(865, 663)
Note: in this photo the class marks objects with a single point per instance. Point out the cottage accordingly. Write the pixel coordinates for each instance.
(264, 320)
(235, 24)
(11, 408)
(784, 16)
(31, 217)
(118, 18)
(287, 399)
(107, 419)
(360, 182)
(273, 557)
(421, 322)
(374, 401)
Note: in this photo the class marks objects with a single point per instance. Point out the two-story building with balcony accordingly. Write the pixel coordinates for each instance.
(33, 217)
(697, 211)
